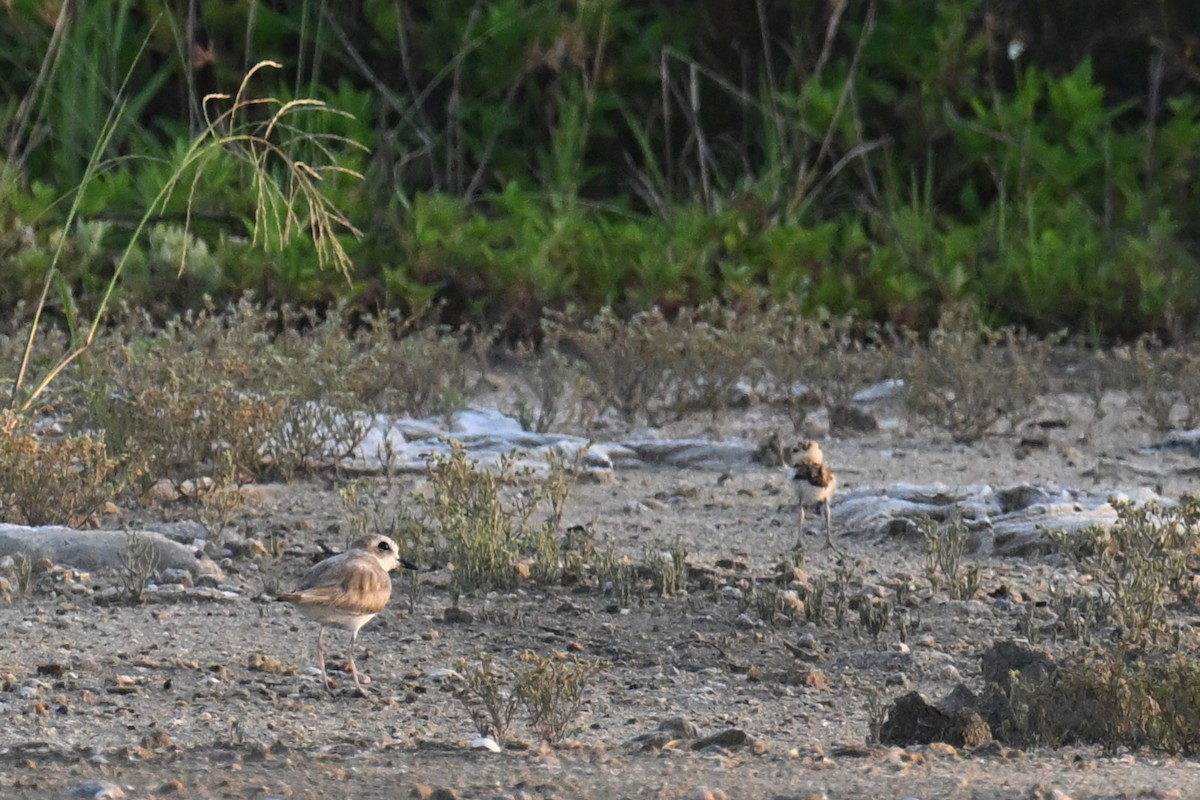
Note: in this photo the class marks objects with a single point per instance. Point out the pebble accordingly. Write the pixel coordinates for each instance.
(485, 743)
(99, 790)
(704, 793)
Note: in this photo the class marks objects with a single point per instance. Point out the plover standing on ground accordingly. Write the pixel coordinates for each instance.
(814, 482)
(346, 591)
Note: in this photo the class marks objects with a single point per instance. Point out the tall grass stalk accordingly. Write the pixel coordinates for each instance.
(287, 192)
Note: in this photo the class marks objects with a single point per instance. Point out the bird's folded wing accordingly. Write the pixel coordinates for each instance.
(815, 474)
(359, 586)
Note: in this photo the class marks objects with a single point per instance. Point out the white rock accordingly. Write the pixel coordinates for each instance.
(485, 743)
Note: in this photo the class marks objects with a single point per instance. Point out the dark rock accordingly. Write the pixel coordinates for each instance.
(728, 738)
(850, 418)
(912, 719)
(457, 616)
(1022, 496)
(1008, 656)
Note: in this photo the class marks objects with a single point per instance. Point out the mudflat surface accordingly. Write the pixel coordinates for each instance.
(220, 699)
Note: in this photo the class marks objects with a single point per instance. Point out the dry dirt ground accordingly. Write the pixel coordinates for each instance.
(218, 699)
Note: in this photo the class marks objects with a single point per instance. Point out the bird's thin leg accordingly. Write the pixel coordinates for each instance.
(353, 670)
(829, 531)
(800, 540)
(321, 659)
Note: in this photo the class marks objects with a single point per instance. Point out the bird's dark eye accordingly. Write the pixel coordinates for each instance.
(384, 546)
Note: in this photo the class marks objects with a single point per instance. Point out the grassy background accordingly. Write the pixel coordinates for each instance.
(501, 157)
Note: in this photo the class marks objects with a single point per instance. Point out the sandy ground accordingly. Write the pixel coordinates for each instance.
(219, 699)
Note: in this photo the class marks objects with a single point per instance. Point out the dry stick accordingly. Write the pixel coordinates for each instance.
(701, 144)
(477, 178)
(189, 67)
(388, 96)
(1157, 63)
(867, 172)
(800, 195)
(54, 51)
(772, 87)
(417, 98)
(454, 126)
(831, 29)
(664, 82)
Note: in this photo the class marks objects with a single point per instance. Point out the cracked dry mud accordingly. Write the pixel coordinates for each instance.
(218, 699)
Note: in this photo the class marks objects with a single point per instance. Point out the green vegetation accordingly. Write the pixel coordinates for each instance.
(488, 160)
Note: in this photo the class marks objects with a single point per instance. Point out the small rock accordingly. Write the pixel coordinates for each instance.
(485, 743)
(679, 727)
(261, 663)
(1007, 656)
(850, 418)
(457, 616)
(704, 793)
(99, 790)
(728, 738)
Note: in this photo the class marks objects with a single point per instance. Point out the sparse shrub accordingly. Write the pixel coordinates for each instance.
(840, 590)
(1119, 699)
(1138, 560)
(552, 376)
(617, 573)
(816, 607)
(1163, 381)
(61, 481)
(551, 689)
(833, 358)
(667, 568)
(23, 563)
(874, 617)
(421, 371)
(489, 534)
(139, 560)
(943, 560)
(488, 694)
(968, 377)
(655, 369)
(769, 603)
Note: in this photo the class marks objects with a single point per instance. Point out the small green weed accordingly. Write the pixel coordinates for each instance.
(487, 693)
(483, 521)
(943, 561)
(552, 690)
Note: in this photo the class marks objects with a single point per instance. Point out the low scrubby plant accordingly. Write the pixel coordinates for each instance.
(483, 520)
(1163, 381)
(667, 568)
(820, 360)
(61, 480)
(550, 688)
(947, 542)
(618, 575)
(1140, 561)
(552, 691)
(488, 694)
(968, 377)
(139, 560)
(1124, 698)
